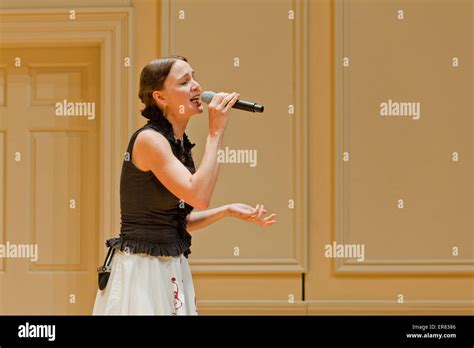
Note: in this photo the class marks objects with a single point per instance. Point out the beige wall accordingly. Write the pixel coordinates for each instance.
(330, 287)
(408, 254)
(398, 264)
(147, 43)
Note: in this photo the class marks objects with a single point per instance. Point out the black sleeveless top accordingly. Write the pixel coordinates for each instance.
(153, 219)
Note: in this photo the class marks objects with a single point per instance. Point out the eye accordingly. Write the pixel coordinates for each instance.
(183, 83)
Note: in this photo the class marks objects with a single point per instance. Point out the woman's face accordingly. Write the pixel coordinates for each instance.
(179, 88)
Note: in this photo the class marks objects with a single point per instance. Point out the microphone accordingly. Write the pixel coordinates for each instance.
(206, 97)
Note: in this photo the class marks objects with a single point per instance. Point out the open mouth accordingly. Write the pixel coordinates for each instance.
(196, 100)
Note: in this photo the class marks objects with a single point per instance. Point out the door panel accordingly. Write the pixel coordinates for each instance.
(50, 171)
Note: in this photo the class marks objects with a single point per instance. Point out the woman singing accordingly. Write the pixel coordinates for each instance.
(159, 188)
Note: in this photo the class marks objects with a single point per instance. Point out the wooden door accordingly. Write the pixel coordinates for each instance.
(49, 170)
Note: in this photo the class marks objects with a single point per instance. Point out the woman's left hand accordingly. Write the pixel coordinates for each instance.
(250, 214)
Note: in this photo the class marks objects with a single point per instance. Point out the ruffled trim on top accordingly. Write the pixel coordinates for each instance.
(182, 246)
(141, 246)
(157, 120)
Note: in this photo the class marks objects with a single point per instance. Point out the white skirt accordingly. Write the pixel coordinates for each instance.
(140, 284)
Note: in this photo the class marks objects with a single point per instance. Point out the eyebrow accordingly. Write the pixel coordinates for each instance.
(186, 75)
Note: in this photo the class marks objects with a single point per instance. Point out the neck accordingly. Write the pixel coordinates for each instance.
(179, 124)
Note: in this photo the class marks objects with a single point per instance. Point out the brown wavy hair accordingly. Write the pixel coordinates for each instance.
(152, 78)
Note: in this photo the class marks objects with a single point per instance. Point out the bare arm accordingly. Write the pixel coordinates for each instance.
(153, 152)
(200, 219)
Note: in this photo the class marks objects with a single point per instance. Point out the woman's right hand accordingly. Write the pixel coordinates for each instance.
(218, 109)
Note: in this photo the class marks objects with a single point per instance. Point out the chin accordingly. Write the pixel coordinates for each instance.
(197, 112)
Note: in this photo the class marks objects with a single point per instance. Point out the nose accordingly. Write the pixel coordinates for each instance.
(196, 86)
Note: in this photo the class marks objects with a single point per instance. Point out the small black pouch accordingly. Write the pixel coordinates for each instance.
(104, 271)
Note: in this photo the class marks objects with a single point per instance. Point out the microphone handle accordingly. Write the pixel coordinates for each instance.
(248, 106)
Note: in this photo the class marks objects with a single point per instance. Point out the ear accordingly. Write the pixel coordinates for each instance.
(159, 99)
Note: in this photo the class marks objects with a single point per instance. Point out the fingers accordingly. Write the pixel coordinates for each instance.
(227, 98)
(269, 220)
(217, 99)
(260, 212)
(244, 211)
(257, 208)
(258, 218)
(255, 214)
(232, 100)
(224, 101)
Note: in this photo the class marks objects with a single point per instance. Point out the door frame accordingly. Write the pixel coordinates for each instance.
(111, 30)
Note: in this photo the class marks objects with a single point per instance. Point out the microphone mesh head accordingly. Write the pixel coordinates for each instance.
(206, 96)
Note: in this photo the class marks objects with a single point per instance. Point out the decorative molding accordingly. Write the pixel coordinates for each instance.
(111, 30)
(388, 308)
(33, 142)
(38, 69)
(251, 308)
(275, 266)
(440, 266)
(298, 262)
(333, 308)
(3, 88)
(4, 188)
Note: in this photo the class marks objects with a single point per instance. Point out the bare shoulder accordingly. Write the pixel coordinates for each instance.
(150, 138)
(150, 146)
